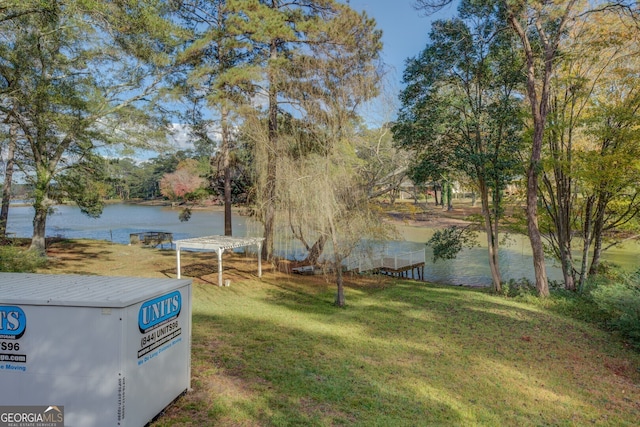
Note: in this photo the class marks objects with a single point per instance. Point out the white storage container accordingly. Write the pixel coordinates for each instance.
(112, 351)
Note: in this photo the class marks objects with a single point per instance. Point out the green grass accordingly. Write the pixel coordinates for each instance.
(276, 352)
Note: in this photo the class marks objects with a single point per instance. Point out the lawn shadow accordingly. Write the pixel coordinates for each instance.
(73, 254)
(484, 335)
(203, 267)
(307, 378)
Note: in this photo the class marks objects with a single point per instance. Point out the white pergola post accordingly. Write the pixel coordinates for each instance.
(178, 260)
(220, 251)
(260, 259)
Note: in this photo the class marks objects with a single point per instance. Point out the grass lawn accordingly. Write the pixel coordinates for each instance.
(275, 351)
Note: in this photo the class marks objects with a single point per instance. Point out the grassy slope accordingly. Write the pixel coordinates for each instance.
(277, 352)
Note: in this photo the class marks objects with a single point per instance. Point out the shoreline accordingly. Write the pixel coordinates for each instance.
(429, 216)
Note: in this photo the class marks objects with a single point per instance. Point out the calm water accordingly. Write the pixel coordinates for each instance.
(118, 221)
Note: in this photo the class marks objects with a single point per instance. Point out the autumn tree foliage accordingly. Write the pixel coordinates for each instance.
(590, 181)
(186, 180)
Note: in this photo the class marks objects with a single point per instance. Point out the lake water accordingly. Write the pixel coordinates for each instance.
(119, 220)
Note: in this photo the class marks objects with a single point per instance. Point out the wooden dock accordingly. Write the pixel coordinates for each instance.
(402, 267)
(400, 264)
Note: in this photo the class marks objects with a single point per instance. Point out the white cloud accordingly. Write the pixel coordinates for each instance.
(180, 136)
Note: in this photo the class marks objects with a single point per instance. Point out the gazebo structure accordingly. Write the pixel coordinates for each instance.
(218, 244)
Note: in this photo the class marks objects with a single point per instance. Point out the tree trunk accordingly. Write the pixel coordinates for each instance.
(41, 204)
(567, 269)
(587, 238)
(8, 180)
(564, 199)
(538, 95)
(535, 237)
(226, 169)
(38, 242)
(340, 298)
(443, 195)
(560, 211)
(316, 250)
(337, 262)
(492, 238)
(598, 229)
(564, 242)
(597, 254)
(494, 265)
(392, 196)
(270, 184)
(539, 115)
(228, 228)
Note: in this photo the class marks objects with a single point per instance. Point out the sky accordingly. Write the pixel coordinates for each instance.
(404, 29)
(404, 35)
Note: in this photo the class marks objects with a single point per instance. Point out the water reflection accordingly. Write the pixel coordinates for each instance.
(471, 266)
(516, 260)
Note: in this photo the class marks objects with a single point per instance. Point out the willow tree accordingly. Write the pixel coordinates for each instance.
(283, 33)
(75, 77)
(322, 64)
(327, 200)
(462, 99)
(322, 185)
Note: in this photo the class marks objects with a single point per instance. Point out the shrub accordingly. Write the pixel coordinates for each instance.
(619, 297)
(522, 288)
(576, 305)
(14, 259)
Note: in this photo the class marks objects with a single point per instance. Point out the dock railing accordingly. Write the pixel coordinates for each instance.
(403, 260)
(384, 260)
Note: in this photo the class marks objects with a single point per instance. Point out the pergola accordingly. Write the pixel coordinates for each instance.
(219, 244)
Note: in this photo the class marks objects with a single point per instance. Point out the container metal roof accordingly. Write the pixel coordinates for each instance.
(82, 291)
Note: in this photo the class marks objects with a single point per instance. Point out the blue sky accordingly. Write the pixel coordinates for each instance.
(405, 30)
(404, 33)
